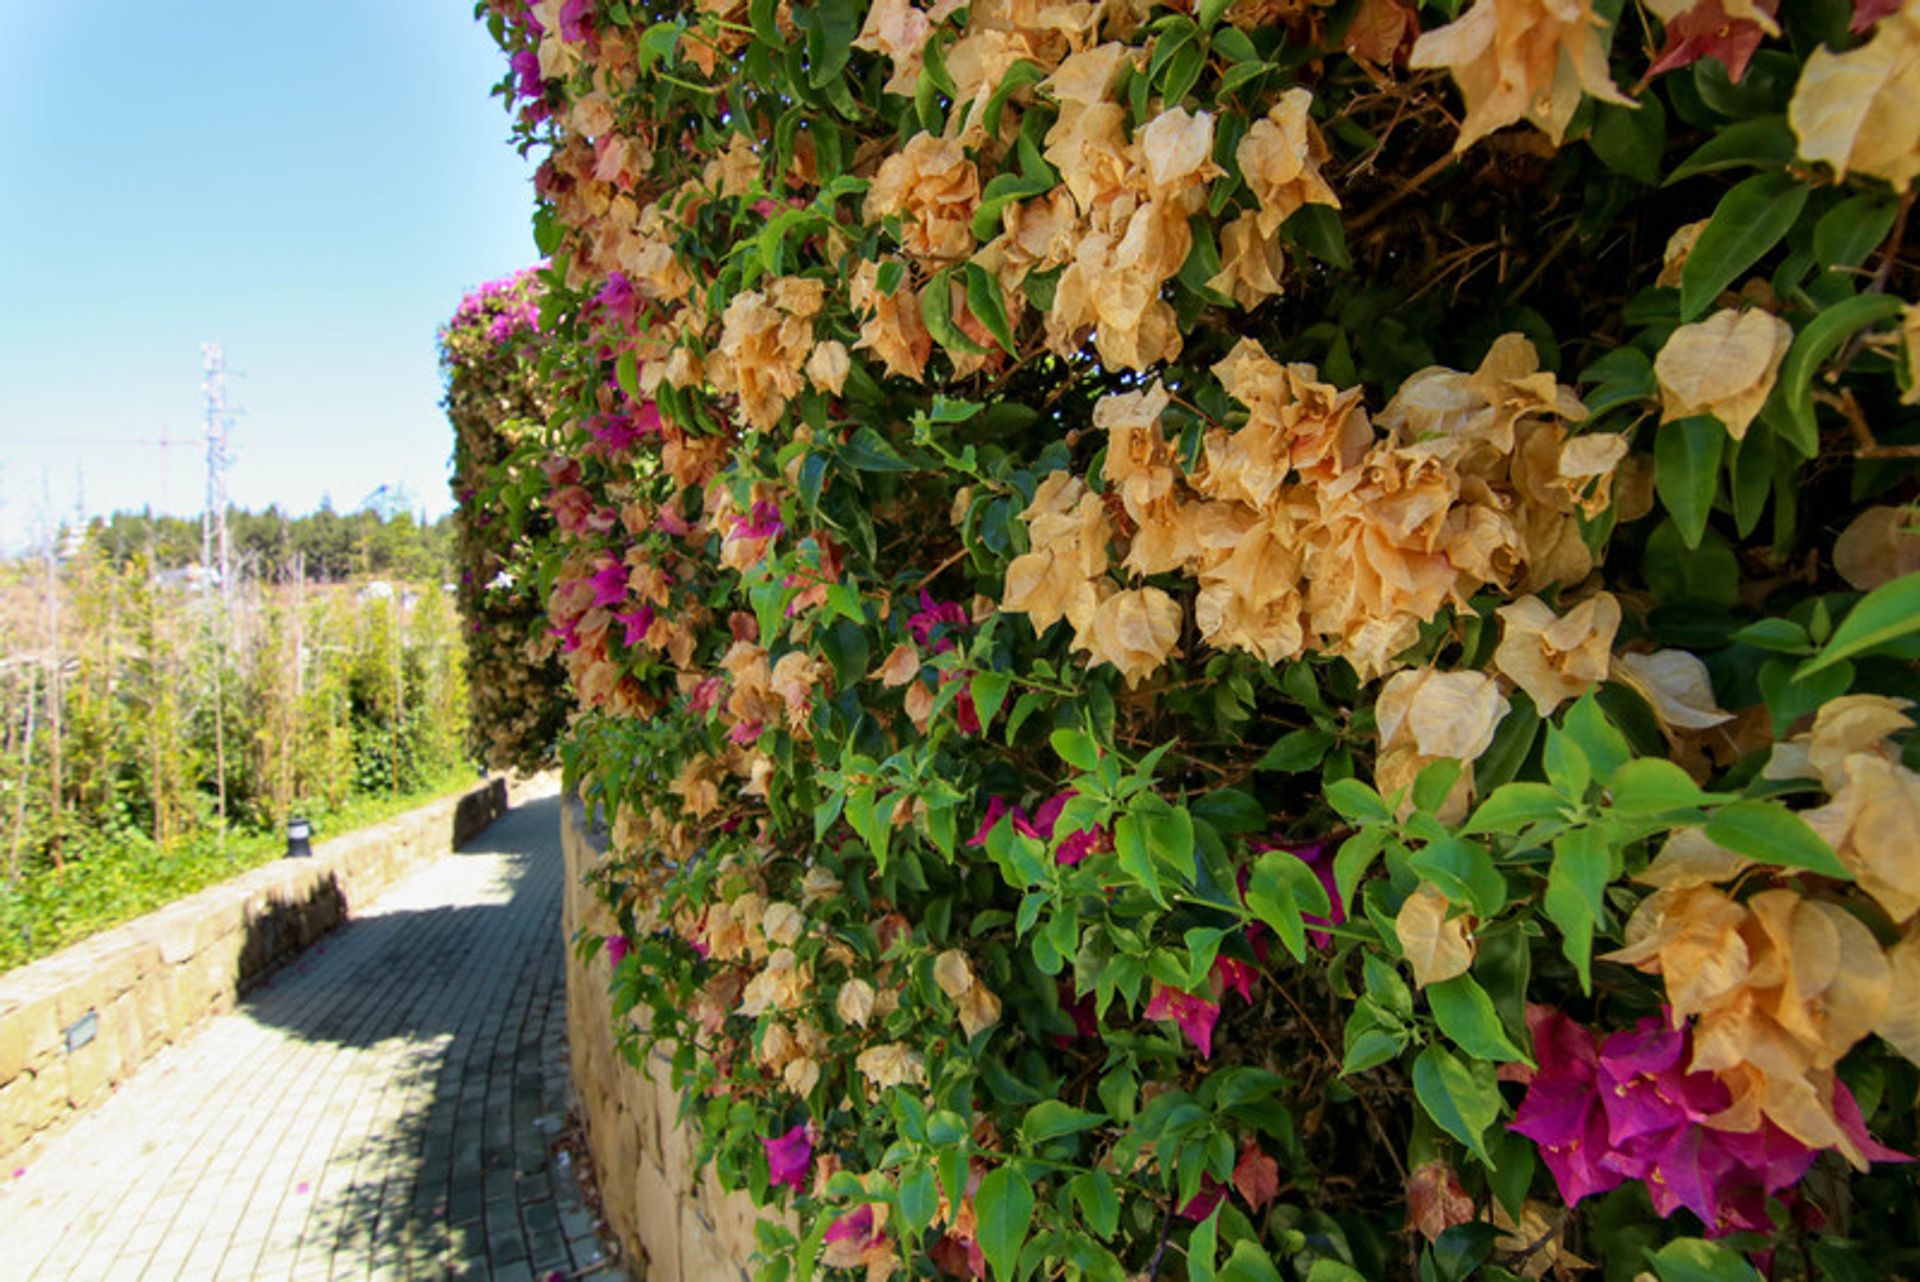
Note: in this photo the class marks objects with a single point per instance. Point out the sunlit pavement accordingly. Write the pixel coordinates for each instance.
(383, 1108)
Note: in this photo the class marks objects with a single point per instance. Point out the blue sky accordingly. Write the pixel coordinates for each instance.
(314, 185)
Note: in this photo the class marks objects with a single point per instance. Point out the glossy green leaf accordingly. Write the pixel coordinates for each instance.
(1004, 1204)
(1466, 1015)
(1462, 1098)
(1750, 219)
(1888, 613)
(1686, 471)
(1693, 1260)
(1768, 832)
(1789, 410)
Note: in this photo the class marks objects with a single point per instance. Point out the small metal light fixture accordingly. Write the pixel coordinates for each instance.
(82, 1031)
(299, 838)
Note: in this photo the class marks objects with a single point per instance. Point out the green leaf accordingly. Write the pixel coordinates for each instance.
(1751, 219)
(1021, 74)
(626, 372)
(1004, 1203)
(1282, 888)
(918, 1198)
(1464, 872)
(936, 309)
(1130, 849)
(1768, 832)
(1356, 802)
(1650, 785)
(1466, 1015)
(1099, 1203)
(869, 451)
(1848, 232)
(1318, 230)
(1763, 142)
(1630, 140)
(1003, 190)
(1686, 471)
(1248, 1263)
(1692, 1260)
(1230, 811)
(1434, 782)
(1887, 613)
(1050, 1119)
(1329, 1270)
(1576, 894)
(1513, 806)
(1368, 1045)
(986, 302)
(1203, 1249)
(1076, 749)
(1789, 410)
(989, 691)
(1351, 861)
(1296, 751)
(1462, 1099)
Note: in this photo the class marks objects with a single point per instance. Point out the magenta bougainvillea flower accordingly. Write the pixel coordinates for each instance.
(1201, 1204)
(1074, 847)
(616, 433)
(1196, 1016)
(1232, 975)
(945, 615)
(617, 296)
(855, 1226)
(1604, 1112)
(790, 1157)
(763, 523)
(610, 583)
(573, 19)
(636, 623)
(618, 947)
(526, 68)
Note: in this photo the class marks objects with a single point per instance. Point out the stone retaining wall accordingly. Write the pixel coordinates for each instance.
(139, 986)
(673, 1220)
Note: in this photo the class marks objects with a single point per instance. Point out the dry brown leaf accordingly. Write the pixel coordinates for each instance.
(1557, 658)
(1677, 686)
(1854, 110)
(1522, 60)
(900, 667)
(1723, 366)
(1436, 1200)
(1437, 948)
(1878, 546)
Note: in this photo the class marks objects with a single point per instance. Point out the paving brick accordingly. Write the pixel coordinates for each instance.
(371, 1113)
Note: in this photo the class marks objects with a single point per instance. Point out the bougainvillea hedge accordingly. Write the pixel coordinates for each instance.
(1266, 640)
(496, 400)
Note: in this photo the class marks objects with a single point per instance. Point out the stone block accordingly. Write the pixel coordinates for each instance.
(30, 1029)
(701, 1254)
(733, 1216)
(652, 1231)
(89, 1070)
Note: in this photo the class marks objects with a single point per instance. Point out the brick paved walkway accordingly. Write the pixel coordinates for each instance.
(380, 1109)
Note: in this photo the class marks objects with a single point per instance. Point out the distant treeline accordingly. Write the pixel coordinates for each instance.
(326, 545)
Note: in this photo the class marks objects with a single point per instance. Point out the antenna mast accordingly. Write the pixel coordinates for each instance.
(215, 553)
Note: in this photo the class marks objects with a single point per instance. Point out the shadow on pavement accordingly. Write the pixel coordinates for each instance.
(455, 1018)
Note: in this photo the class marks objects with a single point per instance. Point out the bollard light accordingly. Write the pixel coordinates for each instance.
(299, 835)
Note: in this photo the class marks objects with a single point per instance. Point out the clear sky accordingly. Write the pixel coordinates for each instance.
(313, 184)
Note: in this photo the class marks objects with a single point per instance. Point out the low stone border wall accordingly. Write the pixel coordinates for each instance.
(672, 1219)
(75, 1024)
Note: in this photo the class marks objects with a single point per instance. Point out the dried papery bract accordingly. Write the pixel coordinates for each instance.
(1854, 110)
(1723, 366)
(1522, 60)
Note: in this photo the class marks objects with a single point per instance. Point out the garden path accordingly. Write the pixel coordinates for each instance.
(383, 1108)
